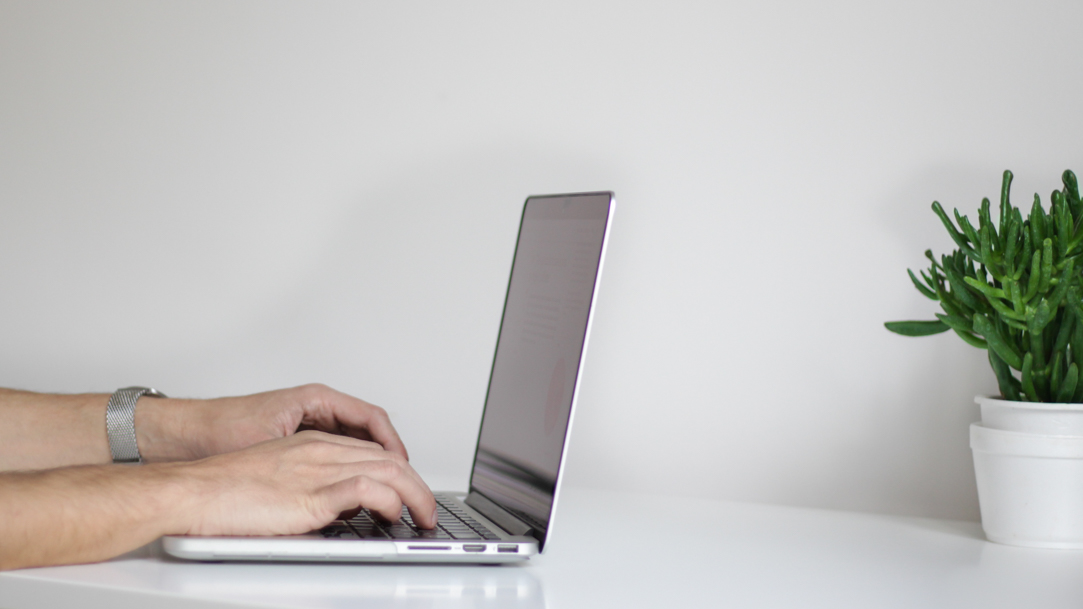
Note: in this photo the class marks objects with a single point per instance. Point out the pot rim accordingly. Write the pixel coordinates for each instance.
(1037, 445)
(985, 399)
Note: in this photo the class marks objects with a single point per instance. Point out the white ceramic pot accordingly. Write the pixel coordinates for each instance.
(1031, 417)
(1028, 459)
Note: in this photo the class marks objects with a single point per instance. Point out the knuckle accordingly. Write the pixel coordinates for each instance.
(374, 495)
(313, 390)
(390, 469)
(362, 484)
(317, 448)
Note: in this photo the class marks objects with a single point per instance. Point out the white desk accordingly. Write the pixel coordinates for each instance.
(719, 554)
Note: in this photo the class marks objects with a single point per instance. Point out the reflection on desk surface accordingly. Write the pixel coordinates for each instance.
(753, 556)
(148, 570)
(327, 585)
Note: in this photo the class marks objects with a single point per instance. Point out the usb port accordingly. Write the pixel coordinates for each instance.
(507, 548)
(474, 547)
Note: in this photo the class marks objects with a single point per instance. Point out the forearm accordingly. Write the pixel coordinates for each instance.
(89, 513)
(43, 430)
(284, 486)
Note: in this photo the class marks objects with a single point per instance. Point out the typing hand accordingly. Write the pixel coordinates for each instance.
(178, 430)
(301, 483)
(284, 486)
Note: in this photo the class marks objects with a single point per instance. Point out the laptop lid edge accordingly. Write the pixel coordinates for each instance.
(582, 365)
(484, 505)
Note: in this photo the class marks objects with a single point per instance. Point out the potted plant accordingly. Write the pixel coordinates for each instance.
(1014, 287)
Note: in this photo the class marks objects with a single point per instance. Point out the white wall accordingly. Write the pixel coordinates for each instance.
(217, 198)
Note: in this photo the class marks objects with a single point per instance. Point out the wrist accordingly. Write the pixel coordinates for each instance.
(169, 429)
(176, 492)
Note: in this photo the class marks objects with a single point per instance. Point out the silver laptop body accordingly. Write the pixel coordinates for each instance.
(508, 513)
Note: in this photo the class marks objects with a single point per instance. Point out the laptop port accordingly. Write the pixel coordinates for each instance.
(507, 548)
(474, 547)
(428, 547)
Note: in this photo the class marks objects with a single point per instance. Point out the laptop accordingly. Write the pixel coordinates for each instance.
(508, 513)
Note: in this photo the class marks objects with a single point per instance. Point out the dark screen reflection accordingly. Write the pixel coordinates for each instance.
(537, 357)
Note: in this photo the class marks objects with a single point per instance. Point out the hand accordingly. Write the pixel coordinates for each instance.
(177, 430)
(285, 486)
(300, 483)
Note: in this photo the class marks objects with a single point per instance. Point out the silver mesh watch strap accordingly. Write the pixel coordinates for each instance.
(120, 422)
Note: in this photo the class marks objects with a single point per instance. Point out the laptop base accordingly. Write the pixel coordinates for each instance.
(319, 547)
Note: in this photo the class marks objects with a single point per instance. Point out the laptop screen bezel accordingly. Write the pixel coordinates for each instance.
(543, 535)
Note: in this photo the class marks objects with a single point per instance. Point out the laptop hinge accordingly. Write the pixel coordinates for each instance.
(497, 514)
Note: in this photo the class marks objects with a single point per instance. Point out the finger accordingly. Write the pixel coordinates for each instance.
(412, 491)
(334, 411)
(405, 466)
(365, 421)
(362, 491)
(343, 449)
(313, 436)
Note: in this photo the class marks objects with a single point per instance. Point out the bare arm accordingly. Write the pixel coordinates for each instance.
(43, 431)
(284, 486)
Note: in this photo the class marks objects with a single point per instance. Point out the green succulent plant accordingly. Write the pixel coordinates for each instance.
(1014, 288)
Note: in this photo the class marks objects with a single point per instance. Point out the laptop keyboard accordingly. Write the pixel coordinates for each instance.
(454, 523)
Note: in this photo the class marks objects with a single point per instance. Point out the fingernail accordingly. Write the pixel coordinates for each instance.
(434, 516)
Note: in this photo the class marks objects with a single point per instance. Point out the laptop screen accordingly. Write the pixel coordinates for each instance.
(539, 351)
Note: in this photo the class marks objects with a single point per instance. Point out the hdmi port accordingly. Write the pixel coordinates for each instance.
(474, 547)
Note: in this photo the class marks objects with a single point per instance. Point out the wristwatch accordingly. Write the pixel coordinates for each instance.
(120, 422)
